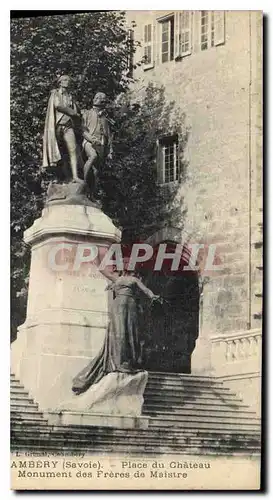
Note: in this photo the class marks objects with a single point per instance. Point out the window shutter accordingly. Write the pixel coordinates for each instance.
(159, 163)
(177, 35)
(182, 33)
(158, 43)
(175, 171)
(219, 23)
(186, 32)
(148, 45)
(153, 41)
(196, 36)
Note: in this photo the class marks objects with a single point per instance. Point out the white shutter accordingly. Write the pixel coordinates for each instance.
(196, 35)
(219, 27)
(159, 162)
(186, 32)
(162, 151)
(177, 35)
(148, 45)
(182, 33)
(158, 43)
(174, 161)
(153, 44)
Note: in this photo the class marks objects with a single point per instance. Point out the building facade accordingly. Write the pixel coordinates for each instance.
(211, 65)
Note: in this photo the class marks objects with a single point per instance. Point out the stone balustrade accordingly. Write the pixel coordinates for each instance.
(236, 358)
(239, 346)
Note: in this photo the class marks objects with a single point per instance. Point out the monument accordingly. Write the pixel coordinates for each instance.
(67, 323)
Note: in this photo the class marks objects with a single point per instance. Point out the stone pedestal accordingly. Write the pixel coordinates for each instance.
(67, 310)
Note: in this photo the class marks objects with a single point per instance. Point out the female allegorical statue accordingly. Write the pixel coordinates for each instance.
(121, 351)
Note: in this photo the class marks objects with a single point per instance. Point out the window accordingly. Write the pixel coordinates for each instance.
(183, 33)
(148, 46)
(212, 28)
(204, 29)
(168, 160)
(175, 35)
(167, 39)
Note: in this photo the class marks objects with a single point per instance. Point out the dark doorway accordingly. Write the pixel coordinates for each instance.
(171, 330)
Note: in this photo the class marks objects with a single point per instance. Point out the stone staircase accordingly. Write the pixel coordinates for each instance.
(190, 415)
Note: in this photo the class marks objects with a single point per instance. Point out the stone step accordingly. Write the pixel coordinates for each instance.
(198, 423)
(136, 446)
(102, 431)
(92, 443)
(189, 414)
(18, 390)
(23, 402)
(32, 420)
(200, 403)
(178, 392)
(27, 416)
(195, 416)
(185, 383)
(32, 424)
(149, 435)
(139, 451)
(184, 376)
(176, 397)
(22, 406)
(190, 408)
(157, 432)
(27, 410)
(16, 383)
(21, 397)
(216, 435)
(119, 445)
(181, 388)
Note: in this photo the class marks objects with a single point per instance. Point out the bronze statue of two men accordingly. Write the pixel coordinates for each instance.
(74, 142)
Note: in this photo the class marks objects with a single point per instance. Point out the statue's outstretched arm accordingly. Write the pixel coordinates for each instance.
(145, 290)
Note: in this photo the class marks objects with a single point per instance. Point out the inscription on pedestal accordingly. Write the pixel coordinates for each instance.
(85, 289)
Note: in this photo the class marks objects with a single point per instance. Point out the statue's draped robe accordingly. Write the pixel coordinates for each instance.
(51, 150)
(121, 351)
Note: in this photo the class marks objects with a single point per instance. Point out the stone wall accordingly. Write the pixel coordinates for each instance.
(219, 89)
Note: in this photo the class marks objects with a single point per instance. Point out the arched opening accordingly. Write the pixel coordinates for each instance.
(171, 330)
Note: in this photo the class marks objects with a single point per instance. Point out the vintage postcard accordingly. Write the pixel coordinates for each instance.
(136, 230)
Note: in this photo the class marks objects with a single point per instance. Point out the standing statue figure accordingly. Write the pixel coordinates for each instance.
(121, 351)
(97, 139)
(62, 119)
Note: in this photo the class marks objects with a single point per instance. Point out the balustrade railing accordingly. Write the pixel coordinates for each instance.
(236, 348)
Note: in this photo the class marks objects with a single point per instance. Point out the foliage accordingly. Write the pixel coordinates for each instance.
(94, 49)
(131, 194)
